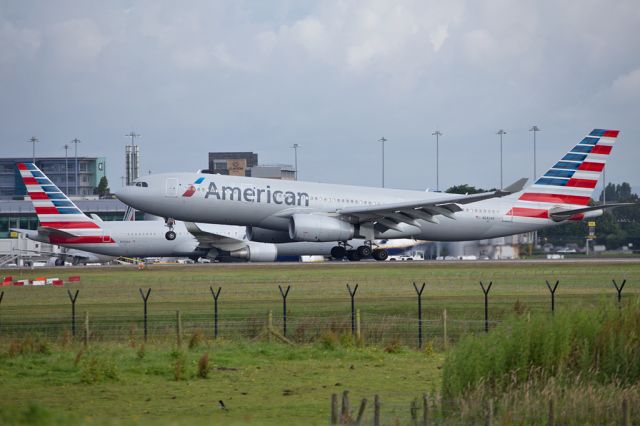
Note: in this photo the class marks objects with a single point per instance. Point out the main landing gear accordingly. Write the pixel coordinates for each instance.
(170, 234)
(343, 249)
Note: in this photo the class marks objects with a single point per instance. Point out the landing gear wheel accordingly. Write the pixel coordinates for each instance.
(59, 262)
(338, 252)
(353, 256)
(170, 235)
(364, 251)
(380, 254)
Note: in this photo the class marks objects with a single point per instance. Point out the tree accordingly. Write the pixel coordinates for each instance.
(103, 187)
(464, 189)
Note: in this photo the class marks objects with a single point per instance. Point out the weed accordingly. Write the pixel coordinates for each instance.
(393, 346)
(132, 335)
(78, 357)
(66, 339)
(329, 341)
(141, 352)
(179, 366)
(197, 338)
(96, 369)
(203, 366)
(428, 348)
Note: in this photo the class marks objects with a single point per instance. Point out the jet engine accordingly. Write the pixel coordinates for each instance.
(314, 227)
(262, 235)
(256, 253)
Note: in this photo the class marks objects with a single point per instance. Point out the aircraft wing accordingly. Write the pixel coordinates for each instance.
(210, 238)
(560, 215)
(389, 215)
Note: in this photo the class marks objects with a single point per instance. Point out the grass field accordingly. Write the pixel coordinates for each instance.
(261, 382)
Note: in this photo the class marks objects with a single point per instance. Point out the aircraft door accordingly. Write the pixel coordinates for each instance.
(171, 187)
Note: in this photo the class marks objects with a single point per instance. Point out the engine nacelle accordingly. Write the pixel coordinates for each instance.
(256, 253)
(315, 228)
(262, 235)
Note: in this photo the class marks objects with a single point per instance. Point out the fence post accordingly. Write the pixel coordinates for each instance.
(444, 329)
(352, 293)
(178, 329)
(625, 413)
(376, 411)
(358, 333)
(270, 325)
(334, 409)
(86, 329)
(145, 297)
(619, 289)
(425, 409)
(363, 406)
(553, 294)
(73, 299)
(344, 413)
(486, 304)
(414, 412)
(419, 293)
(215, 295)
(551, 421)
(284, 308)
(1, 297)
(489, 413)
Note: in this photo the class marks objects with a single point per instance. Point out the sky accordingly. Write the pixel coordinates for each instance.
(332, 76)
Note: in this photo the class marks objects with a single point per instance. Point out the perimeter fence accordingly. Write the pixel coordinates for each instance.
(417, 320)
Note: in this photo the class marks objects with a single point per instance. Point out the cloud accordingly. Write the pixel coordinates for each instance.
(17, 44)
(75, 43)
(626, 88)
(373, 35)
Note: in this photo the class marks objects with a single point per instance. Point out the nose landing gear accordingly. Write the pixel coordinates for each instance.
(170, 234)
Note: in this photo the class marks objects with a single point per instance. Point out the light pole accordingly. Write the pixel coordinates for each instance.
(501, 132)
(534, 129)
(383, 140)
(295, 151)
(437, 134)
(76, 141)
(66, 167)
(33, 142)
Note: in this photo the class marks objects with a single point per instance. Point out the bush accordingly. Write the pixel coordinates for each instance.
(602, 344)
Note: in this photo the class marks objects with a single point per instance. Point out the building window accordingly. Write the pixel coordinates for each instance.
(83, 167)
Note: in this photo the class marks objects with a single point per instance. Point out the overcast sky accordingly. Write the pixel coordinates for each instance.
(199, 76)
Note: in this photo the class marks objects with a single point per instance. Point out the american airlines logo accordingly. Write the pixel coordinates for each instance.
(252, 194)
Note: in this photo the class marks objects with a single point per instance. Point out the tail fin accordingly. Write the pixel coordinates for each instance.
(573, 179)
(56, 212)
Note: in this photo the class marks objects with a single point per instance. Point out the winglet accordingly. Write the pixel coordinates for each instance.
(516, 186)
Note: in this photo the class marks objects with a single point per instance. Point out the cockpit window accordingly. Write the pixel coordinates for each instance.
(142, 184)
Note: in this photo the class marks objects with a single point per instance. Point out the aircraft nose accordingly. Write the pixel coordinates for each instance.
(125, 195)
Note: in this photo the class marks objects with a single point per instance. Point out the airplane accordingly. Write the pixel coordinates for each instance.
(63, 223)
(308, 211)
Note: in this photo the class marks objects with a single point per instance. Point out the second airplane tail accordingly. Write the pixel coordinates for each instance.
(59, 217)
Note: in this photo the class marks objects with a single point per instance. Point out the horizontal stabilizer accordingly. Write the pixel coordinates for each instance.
(560, 215)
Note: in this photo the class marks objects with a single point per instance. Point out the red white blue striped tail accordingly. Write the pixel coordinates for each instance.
(56, 211)
(570, 183)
